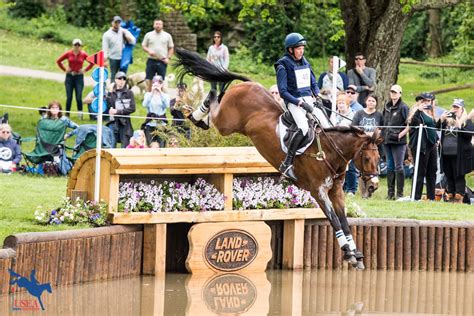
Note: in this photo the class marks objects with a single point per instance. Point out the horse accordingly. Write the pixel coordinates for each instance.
(249, 109)
(32, 285)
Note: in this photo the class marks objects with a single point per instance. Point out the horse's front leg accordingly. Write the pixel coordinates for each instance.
(336, 195)
(321, 194)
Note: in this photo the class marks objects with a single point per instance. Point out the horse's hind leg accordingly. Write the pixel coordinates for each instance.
(326, 204)
(336, 194)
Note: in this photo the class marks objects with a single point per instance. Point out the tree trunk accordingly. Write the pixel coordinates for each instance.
(375, 28)
(434, 23)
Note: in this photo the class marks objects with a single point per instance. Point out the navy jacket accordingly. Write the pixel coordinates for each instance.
(10, 151)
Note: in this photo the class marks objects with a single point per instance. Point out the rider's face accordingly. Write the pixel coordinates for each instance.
(298, 52)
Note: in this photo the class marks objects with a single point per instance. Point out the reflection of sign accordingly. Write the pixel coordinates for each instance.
(231, 250)
(33, 287)
(229, 293)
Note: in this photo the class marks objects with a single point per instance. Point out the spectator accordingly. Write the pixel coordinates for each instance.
(121, 102)
(325, 79)
(138, 140)
(369, 117)
(423, 112)
(55, 112)
(218, 54)
(159, 46)
(276, 95)
(113, 42)
(395, 114)
(362, 77)
(156, 102)
(456, 156)
(10, 152)
(344, 114)
(352, 93)
(176, 106)
(74, 74)
(88, 101)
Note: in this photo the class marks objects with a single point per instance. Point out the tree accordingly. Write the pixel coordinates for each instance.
(375, 28)
(434, 23)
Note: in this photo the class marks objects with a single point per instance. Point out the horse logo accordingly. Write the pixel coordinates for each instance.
(32, 285)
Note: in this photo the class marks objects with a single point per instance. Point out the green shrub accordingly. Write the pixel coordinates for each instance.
(26, 9)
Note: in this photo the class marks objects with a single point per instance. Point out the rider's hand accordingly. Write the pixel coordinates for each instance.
(306, 107)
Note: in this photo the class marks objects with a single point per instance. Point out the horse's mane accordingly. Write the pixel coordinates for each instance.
(192, 63)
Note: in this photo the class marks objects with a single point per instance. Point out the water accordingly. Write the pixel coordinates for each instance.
(308, 292)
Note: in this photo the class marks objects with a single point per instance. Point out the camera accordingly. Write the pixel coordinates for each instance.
(451, 115)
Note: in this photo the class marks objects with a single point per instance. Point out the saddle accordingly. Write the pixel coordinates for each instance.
(287, 127)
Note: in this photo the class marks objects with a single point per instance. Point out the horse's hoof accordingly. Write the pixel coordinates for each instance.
(360, 265)
(352, 260)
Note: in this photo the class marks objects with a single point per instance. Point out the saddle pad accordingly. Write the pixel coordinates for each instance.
(281, 132)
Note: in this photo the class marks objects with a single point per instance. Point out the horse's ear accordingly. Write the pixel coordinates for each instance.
(377, 137)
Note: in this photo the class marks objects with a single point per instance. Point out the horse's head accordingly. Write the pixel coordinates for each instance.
(367, 161)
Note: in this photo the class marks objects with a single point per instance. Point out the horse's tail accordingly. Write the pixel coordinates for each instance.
(192, 63)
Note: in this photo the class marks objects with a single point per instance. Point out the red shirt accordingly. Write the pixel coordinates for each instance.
(75, 61)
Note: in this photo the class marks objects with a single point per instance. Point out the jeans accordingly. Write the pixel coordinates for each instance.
(395, 155)
(72, 83)
(351, 182)
(114, 65)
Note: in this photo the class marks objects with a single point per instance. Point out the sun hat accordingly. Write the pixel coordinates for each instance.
(396, 88)
(76, 41)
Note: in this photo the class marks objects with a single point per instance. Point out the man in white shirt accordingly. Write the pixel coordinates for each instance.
(159, 46)
(113, 42)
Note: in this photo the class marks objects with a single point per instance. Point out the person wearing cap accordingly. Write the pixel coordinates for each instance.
(362, 77)
(456, 155)
(395, 114)
(74, 74)
(325, 79)
(156, 102)
(352, 93)
(159, 46)
(423, 112)
(113, 42)
(298, 87)
(218, 55)
(121, 103)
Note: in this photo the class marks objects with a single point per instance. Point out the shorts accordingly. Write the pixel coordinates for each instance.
(155, 67)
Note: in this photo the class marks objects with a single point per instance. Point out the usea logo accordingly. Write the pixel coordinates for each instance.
(231, 250)
(229, 294)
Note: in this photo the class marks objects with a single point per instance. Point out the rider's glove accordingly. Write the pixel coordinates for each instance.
(307, 107)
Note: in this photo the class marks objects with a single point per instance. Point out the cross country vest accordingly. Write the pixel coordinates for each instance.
(298, 76)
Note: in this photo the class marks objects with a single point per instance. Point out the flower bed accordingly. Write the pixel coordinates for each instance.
(249, 193)
(79, 212)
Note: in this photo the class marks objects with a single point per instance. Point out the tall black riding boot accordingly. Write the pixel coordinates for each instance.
(286, 168)
(391, 185)
(400, 183)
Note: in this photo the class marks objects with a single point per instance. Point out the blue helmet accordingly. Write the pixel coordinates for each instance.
(294, 40)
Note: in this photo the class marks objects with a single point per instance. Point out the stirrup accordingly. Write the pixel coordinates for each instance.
(287, 172)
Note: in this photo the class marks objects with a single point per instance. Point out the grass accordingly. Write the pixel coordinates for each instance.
(16, 211)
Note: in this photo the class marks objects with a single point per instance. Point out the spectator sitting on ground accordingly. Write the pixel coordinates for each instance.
(55, 112)
(43, 112)
(276, 95)
(10, 152)
(138, 140)
(325, 79)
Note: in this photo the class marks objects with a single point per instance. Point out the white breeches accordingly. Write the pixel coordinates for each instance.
(299, 115)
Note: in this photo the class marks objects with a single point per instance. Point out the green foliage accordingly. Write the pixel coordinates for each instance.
(92, 13)
(414, 39)
(26, 8)
(464, 41)
(145, 12)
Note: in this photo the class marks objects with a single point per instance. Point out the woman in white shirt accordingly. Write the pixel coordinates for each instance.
(218, 54)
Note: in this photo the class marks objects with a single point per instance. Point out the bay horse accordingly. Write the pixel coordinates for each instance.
(249, 109)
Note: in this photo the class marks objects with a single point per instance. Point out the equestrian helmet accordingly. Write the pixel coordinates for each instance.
(294, 40)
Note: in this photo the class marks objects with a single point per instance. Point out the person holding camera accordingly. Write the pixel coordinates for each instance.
(423, 112)
(456, 156)
(395, 116)
(156, 102)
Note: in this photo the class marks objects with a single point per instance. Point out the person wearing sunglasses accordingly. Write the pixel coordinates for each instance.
(362, 77)
(456, 150)
(10, 151)
(395, 114)
(74, 74)
(218, 54)
(121, 103)
(353, 96)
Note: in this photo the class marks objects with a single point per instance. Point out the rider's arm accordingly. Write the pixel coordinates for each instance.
(314, 84)
(282, 86)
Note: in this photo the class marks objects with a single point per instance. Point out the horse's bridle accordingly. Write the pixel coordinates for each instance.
(365, 175)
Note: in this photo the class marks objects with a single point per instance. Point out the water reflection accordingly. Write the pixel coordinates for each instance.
(309, 292)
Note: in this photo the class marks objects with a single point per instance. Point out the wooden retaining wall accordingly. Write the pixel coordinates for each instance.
(75, 256)
(395, 244)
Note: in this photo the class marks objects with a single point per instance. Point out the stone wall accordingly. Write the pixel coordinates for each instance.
(175, 24)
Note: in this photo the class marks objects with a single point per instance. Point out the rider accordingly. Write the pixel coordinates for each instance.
(298, 86)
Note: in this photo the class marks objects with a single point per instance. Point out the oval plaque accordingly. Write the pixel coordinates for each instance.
(231, 250)
(229, 294)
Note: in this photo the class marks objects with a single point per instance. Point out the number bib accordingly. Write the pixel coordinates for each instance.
(303, 77)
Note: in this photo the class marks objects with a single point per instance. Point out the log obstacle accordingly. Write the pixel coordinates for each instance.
(218, 166)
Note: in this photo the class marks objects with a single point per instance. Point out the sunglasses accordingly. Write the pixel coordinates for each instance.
(122, 78)
(359, 58)
(77, 44)
(351, 92)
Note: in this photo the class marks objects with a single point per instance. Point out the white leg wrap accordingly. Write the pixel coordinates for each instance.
(200, 112)
(351, 242)
(341, 238)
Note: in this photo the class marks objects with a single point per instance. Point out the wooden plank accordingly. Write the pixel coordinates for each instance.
(211, 216)
(423, 248)
(154, 249)
(113, 193)
(391, 247)
(415, 246)
(322, 246)
(438, 248)
(431, 249)
(367, 250)
(314, 245)
(407, 248)
(330, 247)
(374, 247)
(453, 266)
(446, 248)
(462, 250)
(209, 170)
(307, 246)
(470, 250)
(5, 264)
(293, 238)
(398, 247)
(224, 183)
(382, 248)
